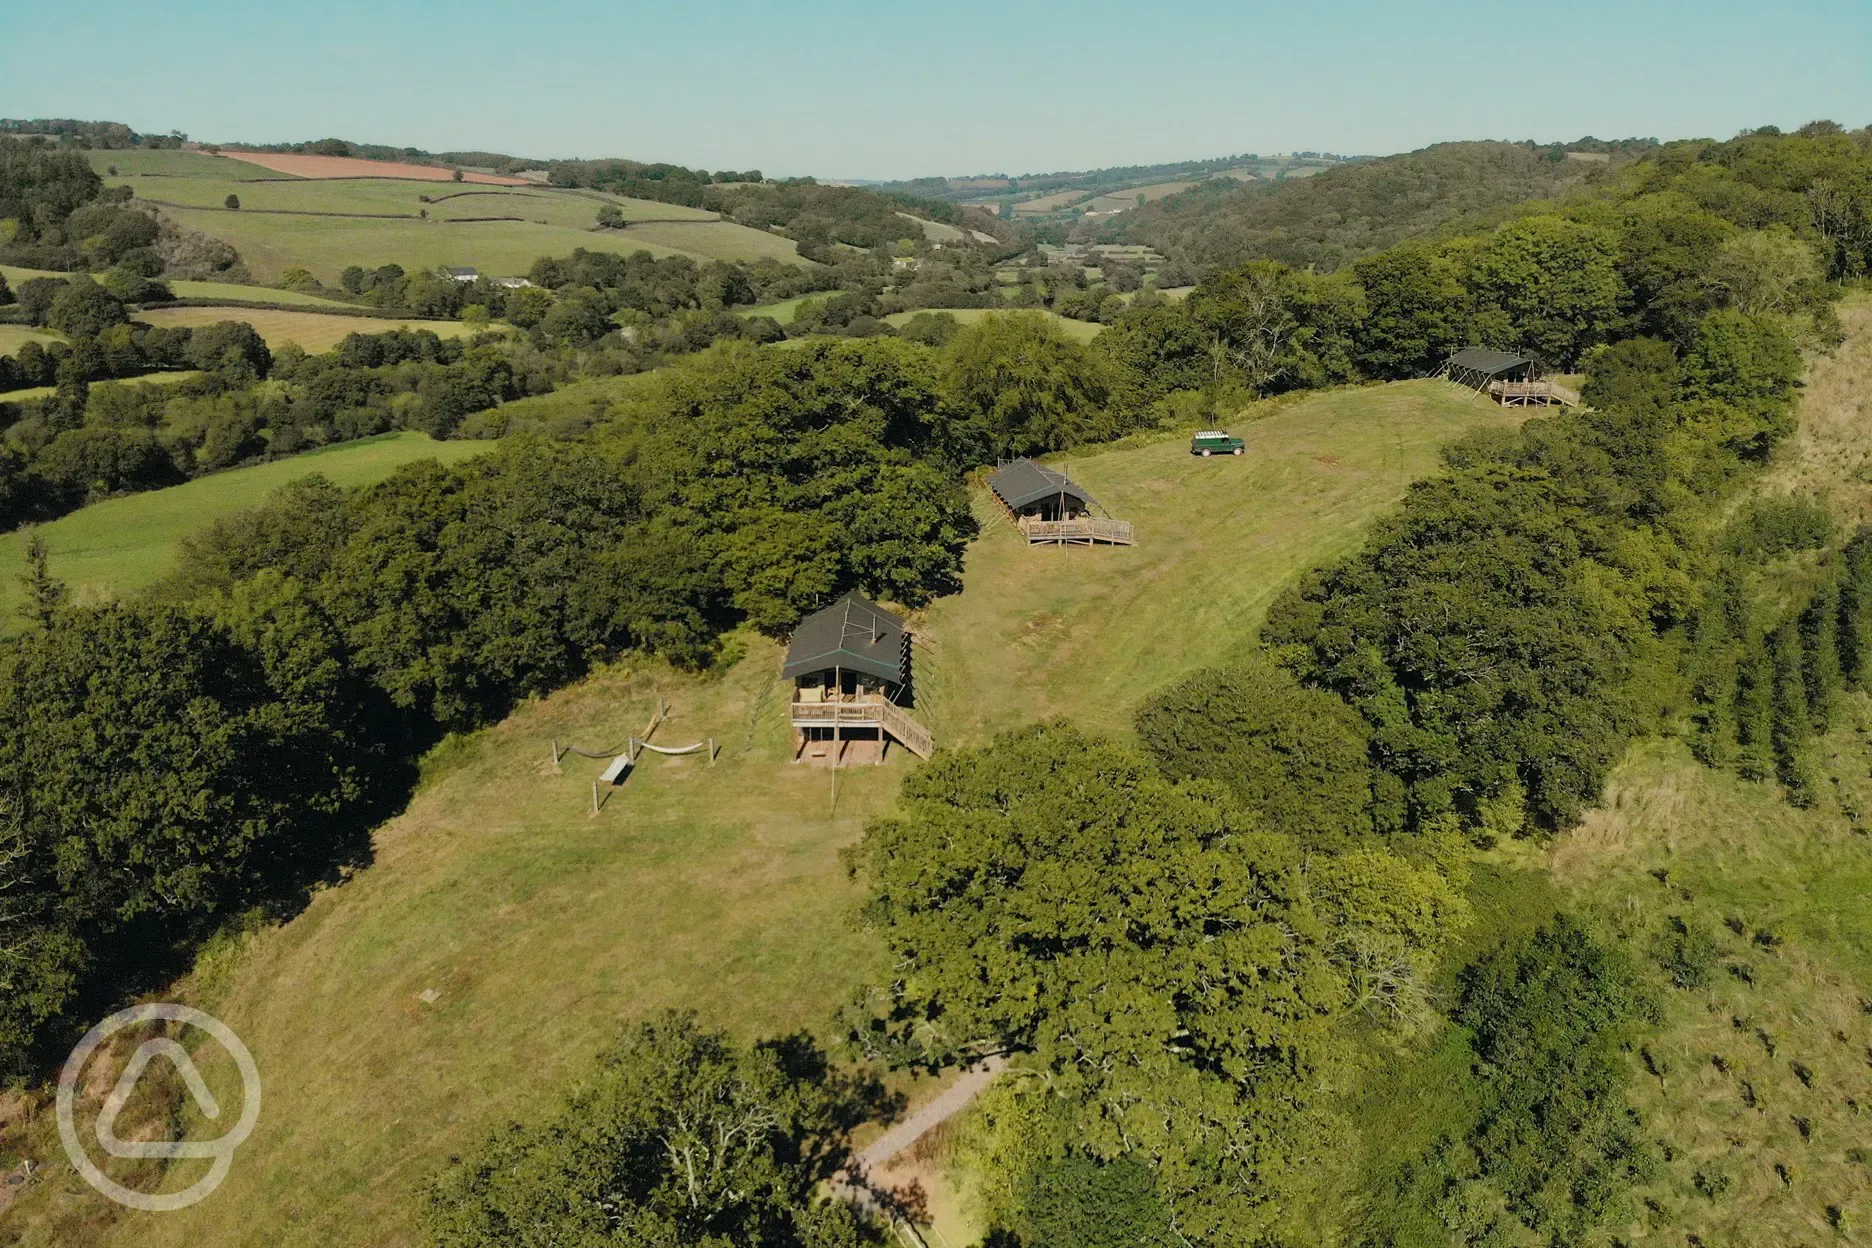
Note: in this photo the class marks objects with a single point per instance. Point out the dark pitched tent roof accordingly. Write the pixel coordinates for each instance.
(853, 633)
(1489, 363)
(1023, 482)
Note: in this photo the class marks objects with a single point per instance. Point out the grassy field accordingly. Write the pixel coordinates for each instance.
(1084, 331)
(326, 245)
(537, 205)
(785, 310)
(13, 337)
(15, 275)
(315, 331)
(715, 240)
(544, 929)
(935, 231)
(253, 294)
(1089, 633)
(552, 222)
(1131, 197)
(1786, 894)
(139, 162)
(124, 544)
(205, 290)
(151, 379)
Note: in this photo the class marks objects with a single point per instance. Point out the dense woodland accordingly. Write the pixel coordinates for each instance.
(1332, 218)
(1173, 942)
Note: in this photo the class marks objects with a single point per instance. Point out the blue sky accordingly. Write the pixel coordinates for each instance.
(885, 89)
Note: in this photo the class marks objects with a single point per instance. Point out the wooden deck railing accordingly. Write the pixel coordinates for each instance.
(868, 714)
(1086, 529)
(1523, 393)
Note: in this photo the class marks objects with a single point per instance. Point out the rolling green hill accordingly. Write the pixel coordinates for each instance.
(135, 163)
(124, 544)
(326, 224)
(1354, 209)
(541, 929)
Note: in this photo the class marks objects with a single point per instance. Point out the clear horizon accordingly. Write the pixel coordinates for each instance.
(843, 90)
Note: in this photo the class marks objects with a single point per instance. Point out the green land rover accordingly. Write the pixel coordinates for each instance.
(1216, 442)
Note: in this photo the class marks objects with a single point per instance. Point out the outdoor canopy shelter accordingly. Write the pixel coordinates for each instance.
(1027, 489)
(1511, 380)
(1049, 508)
(854, 634)
(1476, 367)
(850, 666)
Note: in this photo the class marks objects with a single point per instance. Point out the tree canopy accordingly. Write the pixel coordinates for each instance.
(680, 1137)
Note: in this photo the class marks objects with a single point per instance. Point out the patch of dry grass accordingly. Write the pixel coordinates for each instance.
(1832, 452)
(1760, 1078)
(317, 332)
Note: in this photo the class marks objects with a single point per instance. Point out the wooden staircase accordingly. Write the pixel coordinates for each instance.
(915, 737)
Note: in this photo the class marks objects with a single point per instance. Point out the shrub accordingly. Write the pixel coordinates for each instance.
(1688, 953)
(1299, 756)
(1088, 1204)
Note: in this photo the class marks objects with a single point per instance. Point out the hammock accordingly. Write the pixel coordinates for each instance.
(621, 765)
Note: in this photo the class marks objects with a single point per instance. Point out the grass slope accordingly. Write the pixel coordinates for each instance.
(13, 337)
(1793, 992)
(715, 240)
(166, 163)
(1041, 632)
(326, 245)
(254, 294)
(193, 188)
(148, 379)
(203, 290)
(1830, 452)
(313, 330)
(124, 544)
(1785, 893)
(785, 310)
(544, 930)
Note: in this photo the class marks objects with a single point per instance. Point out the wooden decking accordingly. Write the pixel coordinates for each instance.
(1084, 531)
(866, 712)
(1532, 393)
